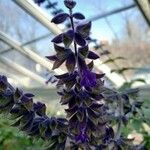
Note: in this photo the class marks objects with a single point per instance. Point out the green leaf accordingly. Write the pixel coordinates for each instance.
(138, 80)
(4, 100)
(122, 70)
(136, 124)
(111, 60)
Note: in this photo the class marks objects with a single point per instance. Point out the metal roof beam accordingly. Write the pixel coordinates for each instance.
(144, 7)
(11, 75)
(29, 53)
(37, 13)
(112, 12)
(22, 70)
(27, 43)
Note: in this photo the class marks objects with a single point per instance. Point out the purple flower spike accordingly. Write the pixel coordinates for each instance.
(88, 78)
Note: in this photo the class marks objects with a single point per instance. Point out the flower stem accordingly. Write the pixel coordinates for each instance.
(73, 28)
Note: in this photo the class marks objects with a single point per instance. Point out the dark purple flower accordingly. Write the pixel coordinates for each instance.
(70, 4)
(82, 136)
(88, 78)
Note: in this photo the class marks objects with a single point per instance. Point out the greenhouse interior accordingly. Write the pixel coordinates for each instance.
(87, 65)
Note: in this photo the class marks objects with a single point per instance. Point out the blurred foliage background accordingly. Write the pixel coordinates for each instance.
(13, 139)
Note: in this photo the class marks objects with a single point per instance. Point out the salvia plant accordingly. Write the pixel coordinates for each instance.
(95, 114)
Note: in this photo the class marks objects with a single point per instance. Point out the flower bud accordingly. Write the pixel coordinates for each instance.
(70, 4)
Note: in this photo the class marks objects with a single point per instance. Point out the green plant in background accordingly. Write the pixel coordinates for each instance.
(12, 139)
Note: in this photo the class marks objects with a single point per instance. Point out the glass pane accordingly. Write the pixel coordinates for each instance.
(20, 26)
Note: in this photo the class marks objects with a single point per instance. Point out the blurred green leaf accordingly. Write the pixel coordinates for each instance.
(112, 60)
(12, 139)
(122, 70)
